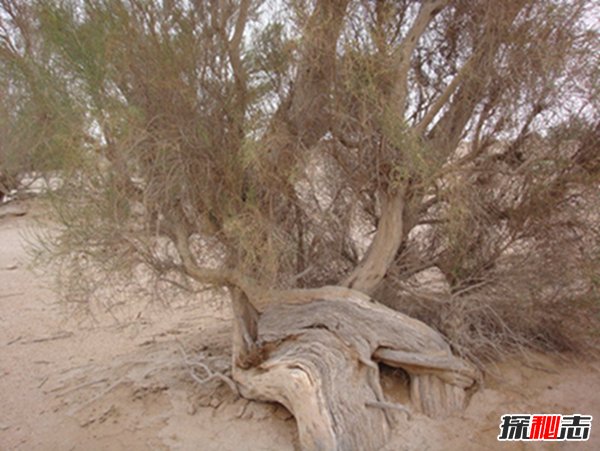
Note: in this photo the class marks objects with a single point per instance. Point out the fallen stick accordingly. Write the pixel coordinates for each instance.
(51, 338)
(97, 397)
(77, 387)
(14, 340)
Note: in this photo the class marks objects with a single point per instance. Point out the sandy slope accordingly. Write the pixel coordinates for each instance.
(127, 386)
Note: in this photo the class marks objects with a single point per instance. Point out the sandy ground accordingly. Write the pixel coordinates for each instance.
(68, 385)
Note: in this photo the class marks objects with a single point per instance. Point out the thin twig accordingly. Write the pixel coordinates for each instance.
(99, 396)
(211, 374)
(51, 338)
(41, 384)
(14, 340)
(78, 387)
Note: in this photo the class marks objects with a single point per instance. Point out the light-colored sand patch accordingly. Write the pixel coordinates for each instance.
(127, 386)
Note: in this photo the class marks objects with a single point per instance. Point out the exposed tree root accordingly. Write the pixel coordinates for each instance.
(211, 374)
(319, 359)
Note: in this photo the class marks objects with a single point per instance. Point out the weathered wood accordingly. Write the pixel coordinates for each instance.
(320, 381)
(382, 250)
(245, 335)
(320, 359)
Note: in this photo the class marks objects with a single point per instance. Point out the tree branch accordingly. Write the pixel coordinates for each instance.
(380, 255)
(447, 132)
(442, 99)
(402, 56)
(221, 277)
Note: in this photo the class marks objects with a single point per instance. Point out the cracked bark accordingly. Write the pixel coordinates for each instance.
(320, 360)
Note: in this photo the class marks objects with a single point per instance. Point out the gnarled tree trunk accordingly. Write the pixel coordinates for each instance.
(318, 356)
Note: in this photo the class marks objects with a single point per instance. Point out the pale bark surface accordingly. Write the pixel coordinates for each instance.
(380, 255)
(319, 358)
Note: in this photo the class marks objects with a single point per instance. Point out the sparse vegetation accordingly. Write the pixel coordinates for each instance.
(439, 157)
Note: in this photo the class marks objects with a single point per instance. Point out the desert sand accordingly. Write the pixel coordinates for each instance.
(75, 383)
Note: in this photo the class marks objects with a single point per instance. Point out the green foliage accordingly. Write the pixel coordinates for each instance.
(41, 125)
(271, 160)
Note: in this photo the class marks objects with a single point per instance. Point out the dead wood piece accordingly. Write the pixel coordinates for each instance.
(435, 397)
(450, 369)
(58, 336)
(322, 366)
(321, 382)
